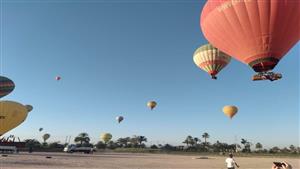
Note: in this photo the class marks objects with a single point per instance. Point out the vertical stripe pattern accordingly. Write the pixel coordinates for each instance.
(210, 59)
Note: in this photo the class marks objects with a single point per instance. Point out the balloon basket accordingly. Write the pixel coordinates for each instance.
(267, 76)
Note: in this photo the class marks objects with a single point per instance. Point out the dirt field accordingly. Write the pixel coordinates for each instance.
(128, 161)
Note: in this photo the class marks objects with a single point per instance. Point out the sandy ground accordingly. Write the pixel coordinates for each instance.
(129, 161)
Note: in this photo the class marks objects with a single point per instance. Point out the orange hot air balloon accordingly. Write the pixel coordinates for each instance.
(256, 32)
(230, 111)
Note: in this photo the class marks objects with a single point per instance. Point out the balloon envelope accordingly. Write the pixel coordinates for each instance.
(230, 111)
(151, 104)
(57, 78)
(46, 137)
(256, 32)
(12, 114)
(210, 59)
(106, 137)
(119, 119)
(6, 86)
(40, 129)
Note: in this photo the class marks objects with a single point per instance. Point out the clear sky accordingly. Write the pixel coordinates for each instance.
(114, 56)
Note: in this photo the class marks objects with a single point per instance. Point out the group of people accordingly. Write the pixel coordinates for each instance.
(231, 164)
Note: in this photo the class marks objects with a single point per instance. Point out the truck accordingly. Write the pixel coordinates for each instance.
(73, 148)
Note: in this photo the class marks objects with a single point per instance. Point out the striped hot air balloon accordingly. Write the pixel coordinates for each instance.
(256, 32)
(211, 59)
(6, 86)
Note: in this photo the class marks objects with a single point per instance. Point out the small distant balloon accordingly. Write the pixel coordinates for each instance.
(106, 137)
(41, 129)
(230, 111)
(46, 137)
(119, 119)
(57, 78)
(151, 104)
(6, 86)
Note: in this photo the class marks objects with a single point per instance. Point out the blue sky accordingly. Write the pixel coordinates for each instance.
(114, 56)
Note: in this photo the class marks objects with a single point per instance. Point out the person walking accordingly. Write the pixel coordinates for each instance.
(230, 162)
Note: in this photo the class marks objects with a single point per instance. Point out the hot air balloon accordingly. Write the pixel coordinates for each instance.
(12, 114)
(6, 86)
(211, 59)
(41, 129)
(106, 137)
(29, 108)
(46, 137)
(151, 104)
(230, 111)
(119, 119)
(57, 78)
(256, 32)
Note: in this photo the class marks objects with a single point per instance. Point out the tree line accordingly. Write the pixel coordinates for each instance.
(191, 144)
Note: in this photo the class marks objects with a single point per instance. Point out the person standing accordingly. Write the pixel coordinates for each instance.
(230, 162)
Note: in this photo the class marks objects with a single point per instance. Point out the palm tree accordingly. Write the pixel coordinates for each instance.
(247, 145)
(196, 140)
(141, 139)
(188, 141)
(82, 138)
(205, 136)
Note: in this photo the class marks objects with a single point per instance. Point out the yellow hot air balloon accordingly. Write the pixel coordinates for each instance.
(151, 104)
(12, 114)
(230, 111)
(106, 137)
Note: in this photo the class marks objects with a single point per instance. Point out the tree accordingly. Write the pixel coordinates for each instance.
(258, 146)
(196, 140)
(168, 147)
(189, 141)
(56, 145)
(293, 148)
(32, 143)
(101, 145)
(205, 136)
(141, 139)
(112, 145)
(82, 138)
(247, 145)
(123, 142)
(274, 150)
(134, 141)
(153, 146)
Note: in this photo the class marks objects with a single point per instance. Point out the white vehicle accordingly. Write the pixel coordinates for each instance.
(8, 149)
(73, 148)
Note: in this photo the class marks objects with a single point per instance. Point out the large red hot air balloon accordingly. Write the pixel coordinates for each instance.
(256, 32)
